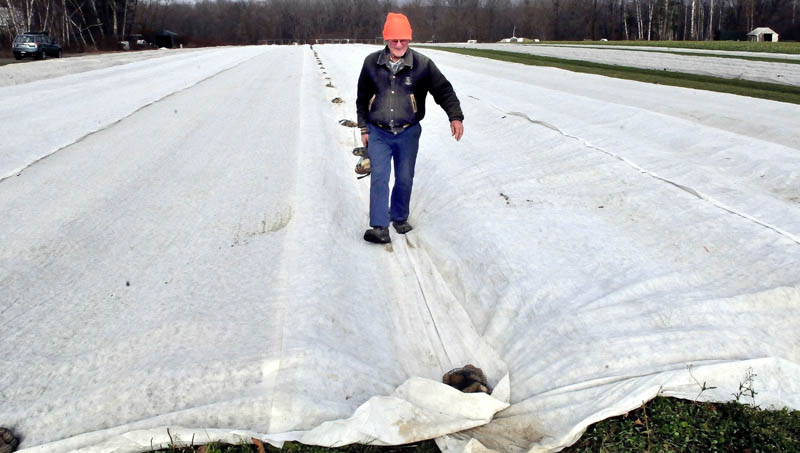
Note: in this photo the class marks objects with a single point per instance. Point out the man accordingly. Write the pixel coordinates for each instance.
(392, 88)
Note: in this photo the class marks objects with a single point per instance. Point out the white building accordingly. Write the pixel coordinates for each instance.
(763, 34)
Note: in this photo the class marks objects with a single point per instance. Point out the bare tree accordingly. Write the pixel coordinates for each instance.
(700, 22)
(100, 23)
(750, 12)
(64, 24)
(556, 10)
(13, 18)
(639, 24)
(710, 34)
(624, 19)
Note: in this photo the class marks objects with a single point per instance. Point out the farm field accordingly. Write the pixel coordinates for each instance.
(733, 65)
(693, 46)
(187, 254)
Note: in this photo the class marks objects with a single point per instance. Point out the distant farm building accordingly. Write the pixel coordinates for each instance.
(763, 34)
(166, 38)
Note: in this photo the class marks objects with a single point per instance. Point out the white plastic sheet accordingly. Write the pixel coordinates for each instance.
(197, 264)
(702, 62)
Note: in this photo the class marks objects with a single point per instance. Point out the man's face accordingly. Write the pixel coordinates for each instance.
(397, 47)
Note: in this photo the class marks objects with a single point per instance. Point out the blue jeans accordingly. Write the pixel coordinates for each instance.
(384, 147)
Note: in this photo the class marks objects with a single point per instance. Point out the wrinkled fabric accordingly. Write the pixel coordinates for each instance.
(589, 244)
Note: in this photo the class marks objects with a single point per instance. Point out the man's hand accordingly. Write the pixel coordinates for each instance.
(456, 129)
(364, 139)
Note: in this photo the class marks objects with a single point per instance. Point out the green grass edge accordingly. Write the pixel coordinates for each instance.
(783, 47)
(709, 55)
(762, 90)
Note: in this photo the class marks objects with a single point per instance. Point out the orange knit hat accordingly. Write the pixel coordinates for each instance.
(396, 27)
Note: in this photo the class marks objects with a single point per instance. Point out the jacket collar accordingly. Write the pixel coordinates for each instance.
(408, 58)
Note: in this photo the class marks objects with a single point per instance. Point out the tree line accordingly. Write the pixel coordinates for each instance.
(101, 24)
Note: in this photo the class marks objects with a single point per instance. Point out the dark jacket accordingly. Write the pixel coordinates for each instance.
(394, 101)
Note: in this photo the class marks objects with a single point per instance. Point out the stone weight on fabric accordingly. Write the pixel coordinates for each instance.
(8, 442)
(469, 379)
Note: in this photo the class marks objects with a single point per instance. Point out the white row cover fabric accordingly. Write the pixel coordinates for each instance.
(188, 255)
(711, 63)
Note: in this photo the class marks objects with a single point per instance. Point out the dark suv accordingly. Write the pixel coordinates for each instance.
(38, 45)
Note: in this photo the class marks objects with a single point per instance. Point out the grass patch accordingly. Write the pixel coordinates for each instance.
(674, 425)
(771, 91)
(741, 46)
